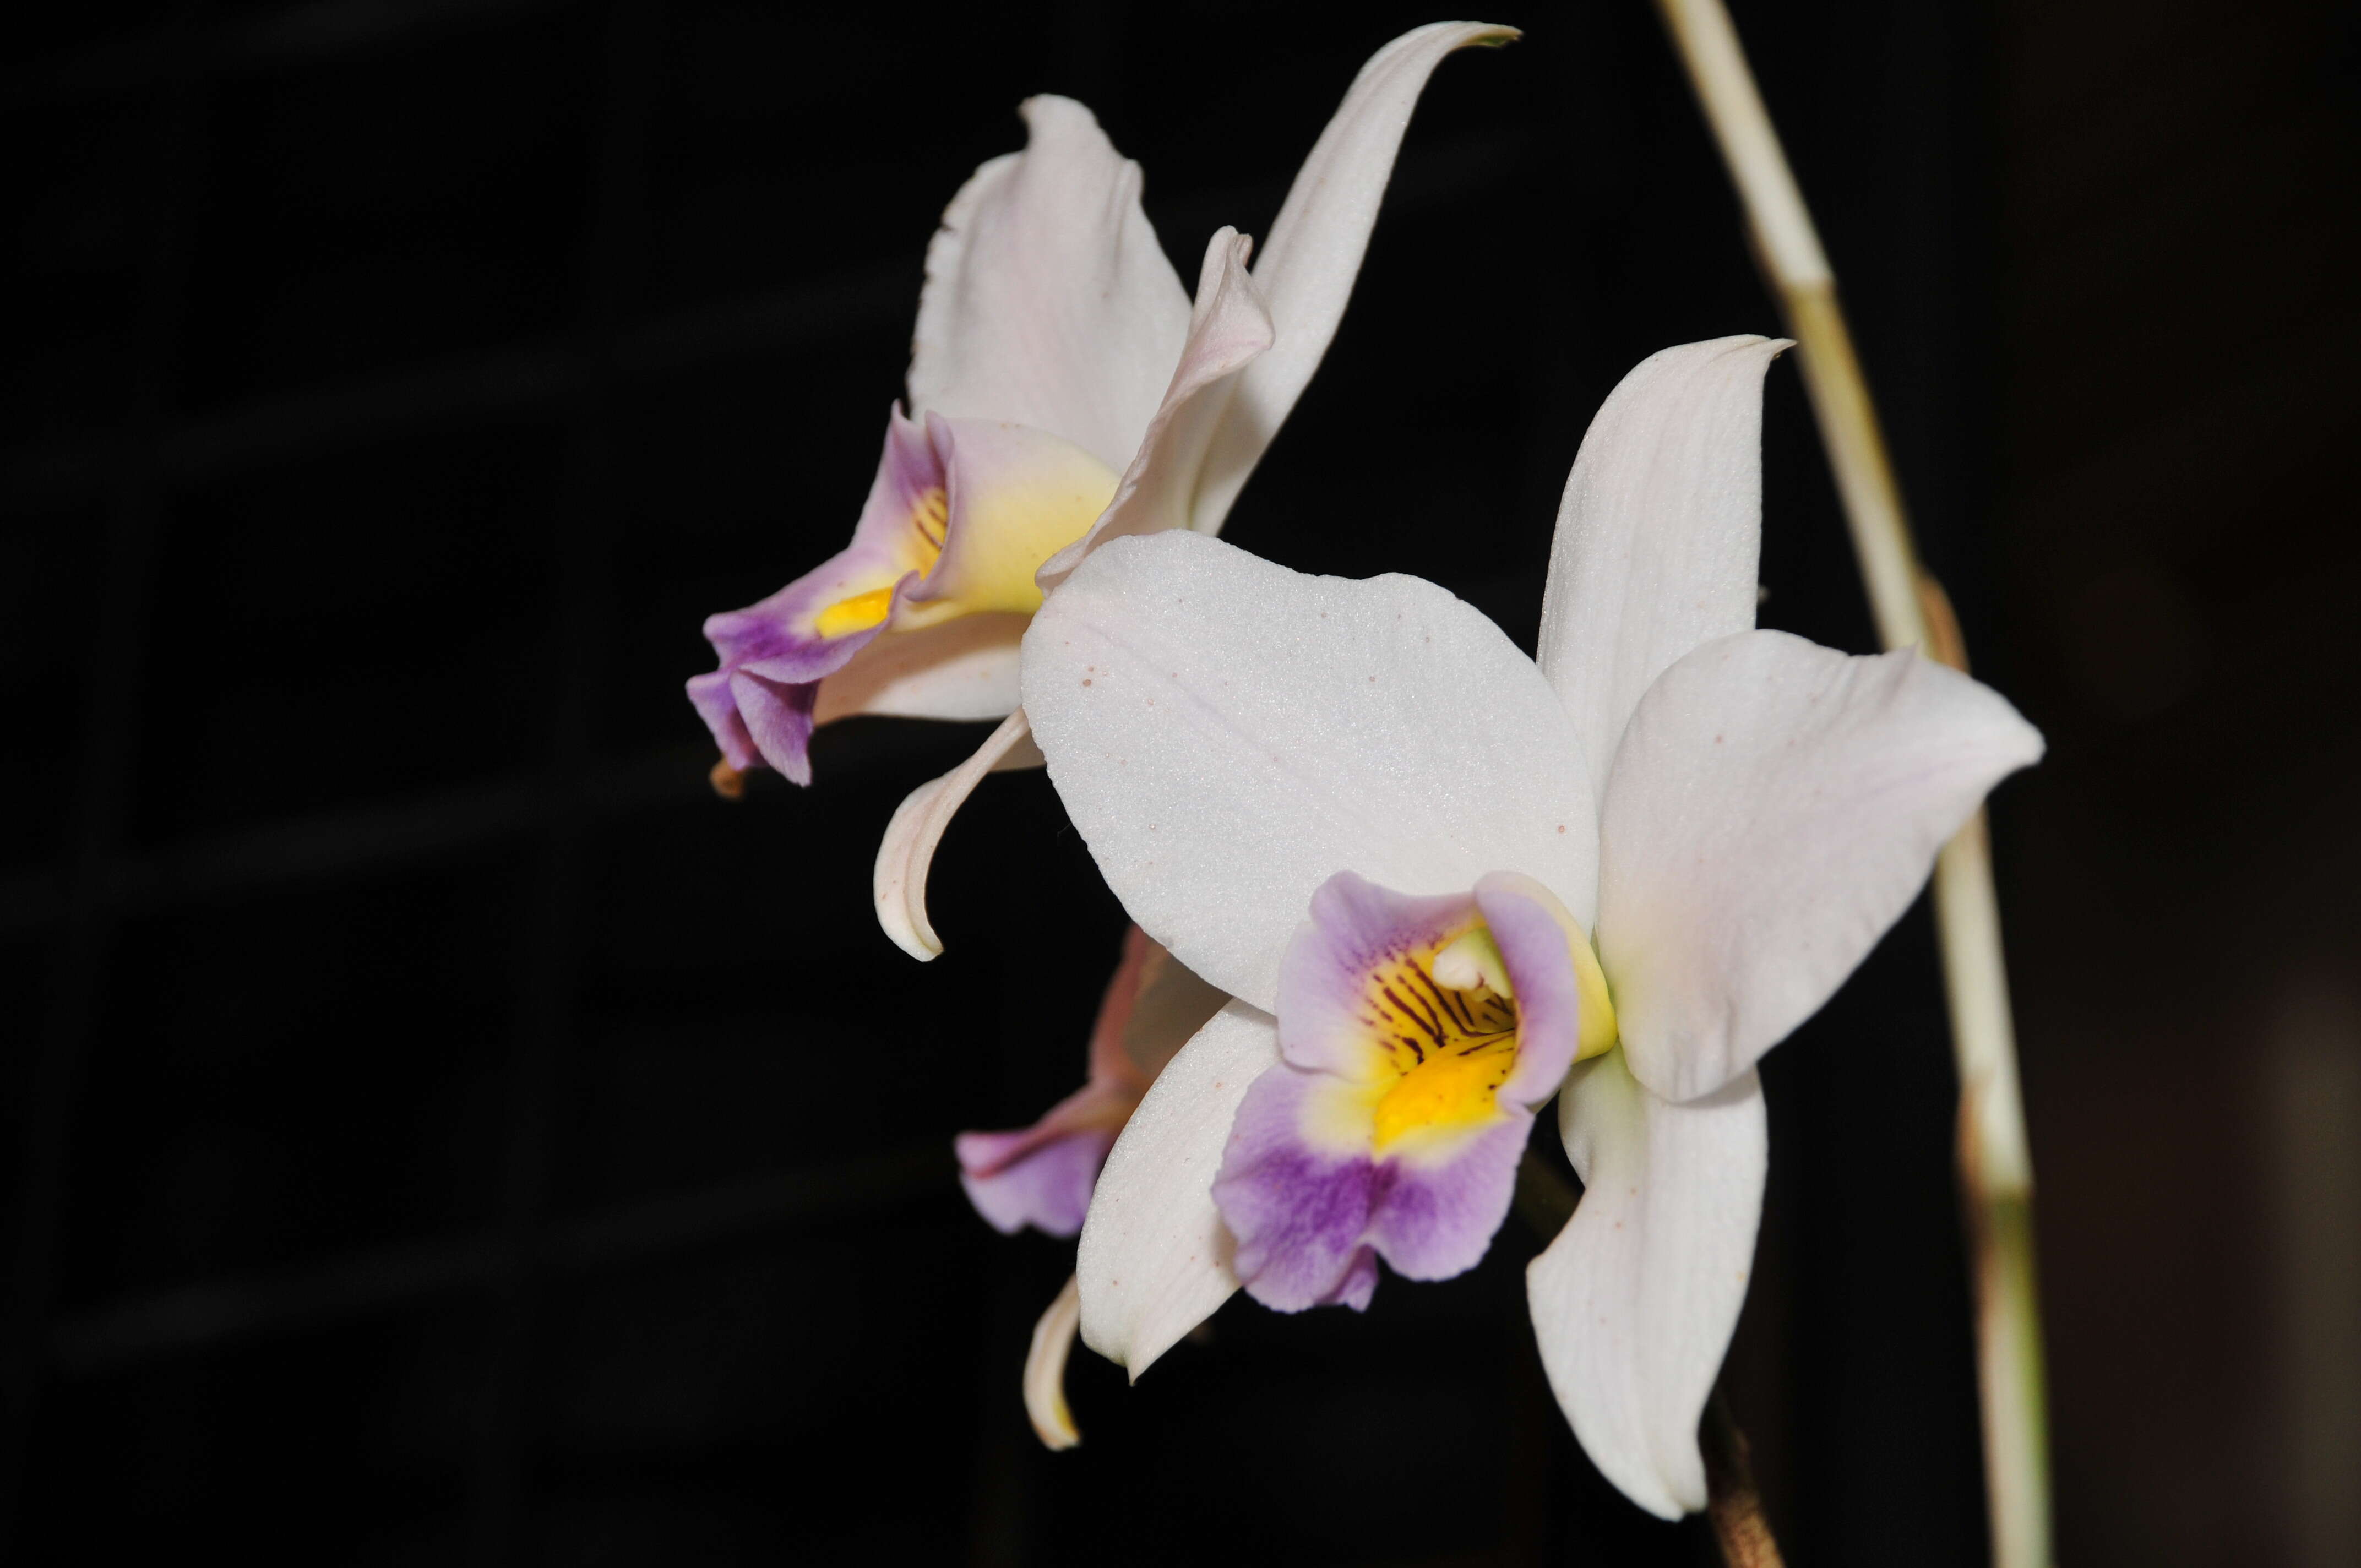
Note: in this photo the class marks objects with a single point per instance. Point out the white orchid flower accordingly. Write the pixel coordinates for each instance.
(1060, 383)
(1444, 881)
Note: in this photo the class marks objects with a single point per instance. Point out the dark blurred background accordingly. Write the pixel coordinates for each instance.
(441, 1130)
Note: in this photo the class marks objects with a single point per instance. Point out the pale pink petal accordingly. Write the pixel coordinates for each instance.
(1151, 1007)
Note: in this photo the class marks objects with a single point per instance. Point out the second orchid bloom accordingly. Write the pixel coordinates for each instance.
(1444, 881)
(1063, 389)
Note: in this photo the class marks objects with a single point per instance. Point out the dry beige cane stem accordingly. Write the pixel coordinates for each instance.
(1995, 1167)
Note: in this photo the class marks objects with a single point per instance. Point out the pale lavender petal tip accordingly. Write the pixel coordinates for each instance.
(1048, 1188)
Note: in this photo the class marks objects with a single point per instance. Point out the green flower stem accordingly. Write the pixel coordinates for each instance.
(1995, 1167)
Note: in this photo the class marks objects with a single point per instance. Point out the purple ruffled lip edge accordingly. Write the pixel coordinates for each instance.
(1310, 1221)
(1310, 1225)
(759, 702)
(1046, 1184)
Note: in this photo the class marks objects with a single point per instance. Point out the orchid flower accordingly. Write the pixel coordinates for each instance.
(1058, 370)
(1444, 881)
(1042, 1176)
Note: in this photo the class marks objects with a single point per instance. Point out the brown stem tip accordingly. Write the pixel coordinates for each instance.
(1733, 1505)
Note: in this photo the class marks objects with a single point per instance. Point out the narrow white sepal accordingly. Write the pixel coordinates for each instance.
(1312, 254)
(1154, 1257)
(1660, 532)
(1633, 1304)
(1045, 1370)
(904, 855)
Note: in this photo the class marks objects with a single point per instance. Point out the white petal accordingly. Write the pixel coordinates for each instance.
(1660, 531)
(1227, 735)
(1634, 1303)
(899, 882)
(961, 669)
(1313, 252)
(1228, 327)
(1773, 808)
(1154, 1257)
(1049, 301)
(1045, 1371)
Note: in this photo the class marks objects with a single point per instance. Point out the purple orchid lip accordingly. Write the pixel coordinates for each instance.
(960, 517)
(1020, 1178)
(1042, 1175)
(1393, 1124)
(759, 702)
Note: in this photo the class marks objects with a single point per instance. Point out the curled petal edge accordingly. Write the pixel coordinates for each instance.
(899, 882)
(1229, 328)
(1045, 1369)
(1312, 257)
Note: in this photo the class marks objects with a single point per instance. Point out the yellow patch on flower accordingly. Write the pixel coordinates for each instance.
(1008, 527)
(1441, 1051)
(917, 549)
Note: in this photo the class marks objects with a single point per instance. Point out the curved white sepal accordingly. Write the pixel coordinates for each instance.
(1045, 1370)
(1154, 1257)
(1634, 1303)
(899, 882)
(1312, 254)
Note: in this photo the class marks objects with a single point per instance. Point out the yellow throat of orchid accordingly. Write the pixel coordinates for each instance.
(1443, 1021)
(1011, 520)
(920, 546)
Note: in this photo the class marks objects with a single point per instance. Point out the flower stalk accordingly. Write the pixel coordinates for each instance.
(1995, 1164)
